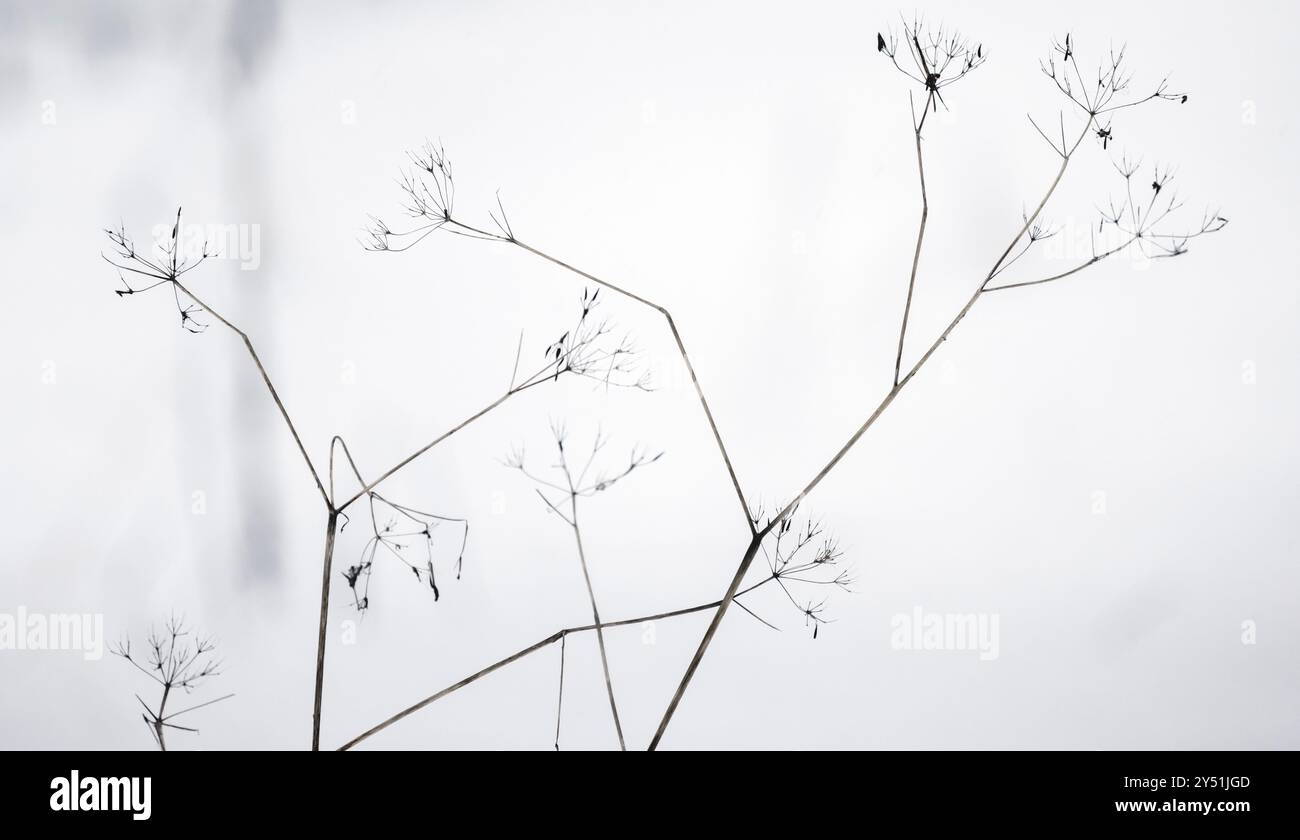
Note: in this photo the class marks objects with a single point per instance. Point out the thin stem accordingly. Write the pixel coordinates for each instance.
(741, 570)
(275, 395)
(1080, 267)
(430, 445)
(748, 557)
(326, 576)
(158, 718)
(916, 255)
(533, 648)
(387, 474)
(559, 703)
(595, 617)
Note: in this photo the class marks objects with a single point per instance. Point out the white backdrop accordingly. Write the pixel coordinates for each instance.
(1107, 464)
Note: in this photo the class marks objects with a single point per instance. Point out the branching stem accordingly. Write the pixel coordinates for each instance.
(748, 556)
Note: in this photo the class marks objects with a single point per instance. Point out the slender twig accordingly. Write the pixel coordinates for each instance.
(1080, 267)
(595, 617)
(326, 577)
(920, 237)
(559, 702)
(275, 394)
(533, 648)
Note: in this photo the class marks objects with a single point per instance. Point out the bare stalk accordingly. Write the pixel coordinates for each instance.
(325, 578)
(158, 721)
(559, 702)
(275, 395)
(920, 234)
(595, 617)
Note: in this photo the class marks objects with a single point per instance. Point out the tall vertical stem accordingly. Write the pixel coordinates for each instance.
(916, 256)
(324, 624)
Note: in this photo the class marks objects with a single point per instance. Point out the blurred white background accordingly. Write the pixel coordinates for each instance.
(750, 166)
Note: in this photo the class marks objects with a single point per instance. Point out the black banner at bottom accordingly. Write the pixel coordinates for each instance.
(229, 789)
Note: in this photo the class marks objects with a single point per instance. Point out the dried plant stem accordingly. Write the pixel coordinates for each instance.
(158, 722)
(387, 474)
(1080, 267)
(595, 617)
(275, 395)
(533, 648)
(920, 237)
(430, 445)
(326, 576)
(748, 556)
(559, 702)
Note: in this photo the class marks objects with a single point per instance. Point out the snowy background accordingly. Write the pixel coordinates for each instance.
(1107, 464)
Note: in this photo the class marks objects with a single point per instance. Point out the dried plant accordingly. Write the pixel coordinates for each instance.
(177, 660)
(561, 495)
(938, 59)
(935, 58)
(803, 563)
(589, 349)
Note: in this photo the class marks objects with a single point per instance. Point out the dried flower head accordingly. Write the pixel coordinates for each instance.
(409, 535)
(163, 268)
(802, 561)
(176, 659)
(933, 57)
(589, 349)
(429, 190)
